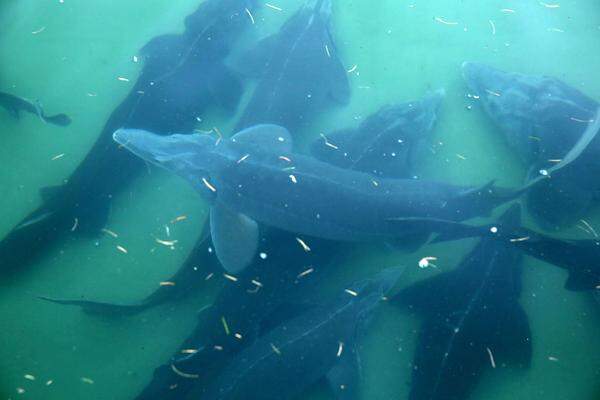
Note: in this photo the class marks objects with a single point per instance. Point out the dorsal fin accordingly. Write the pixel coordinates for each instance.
(265, 136)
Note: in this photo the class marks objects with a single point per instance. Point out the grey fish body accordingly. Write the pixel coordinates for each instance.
(326, 201)
(388, 143)
(299, 71)
(544, 120)
(472, 317)
(256, 177)
(15, 104)
(298, 352)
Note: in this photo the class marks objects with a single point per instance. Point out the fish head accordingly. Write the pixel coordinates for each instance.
(512, 101)
(191, 156)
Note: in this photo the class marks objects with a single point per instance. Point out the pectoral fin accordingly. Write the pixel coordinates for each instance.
(234, 236)
(344, 377)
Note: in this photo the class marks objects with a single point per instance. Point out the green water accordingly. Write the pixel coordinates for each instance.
(400, 51)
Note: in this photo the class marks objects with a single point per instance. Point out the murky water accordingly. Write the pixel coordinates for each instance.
(70, 55)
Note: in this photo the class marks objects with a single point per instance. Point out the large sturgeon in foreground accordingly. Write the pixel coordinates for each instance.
(255, 177)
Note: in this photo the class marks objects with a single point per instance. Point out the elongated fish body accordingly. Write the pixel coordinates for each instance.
(252, 309)
(15, 104)
(298, 352)
(543, 119)
(472, 320)
(317, 199)
(300, 73)
(182, 75)
(261, 373)
(255, 177)
(388, 143)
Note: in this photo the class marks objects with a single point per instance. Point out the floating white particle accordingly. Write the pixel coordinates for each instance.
(340, 349)
(303, 244)
(426, 262)
(275, 349)
(250, 15)
(305, 272)
(549, 5)
(208, 185)
(42, 29)
(445, 22)
(494, 229)
(492, 361)
(273, 7)
(263, 256)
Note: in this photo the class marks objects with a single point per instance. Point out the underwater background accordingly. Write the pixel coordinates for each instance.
(70, 54)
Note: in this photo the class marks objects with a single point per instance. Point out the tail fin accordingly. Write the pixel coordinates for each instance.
(586, 138)
(581, 258)
(31, 238)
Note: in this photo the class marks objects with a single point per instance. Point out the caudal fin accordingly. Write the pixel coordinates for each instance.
(29, 240)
